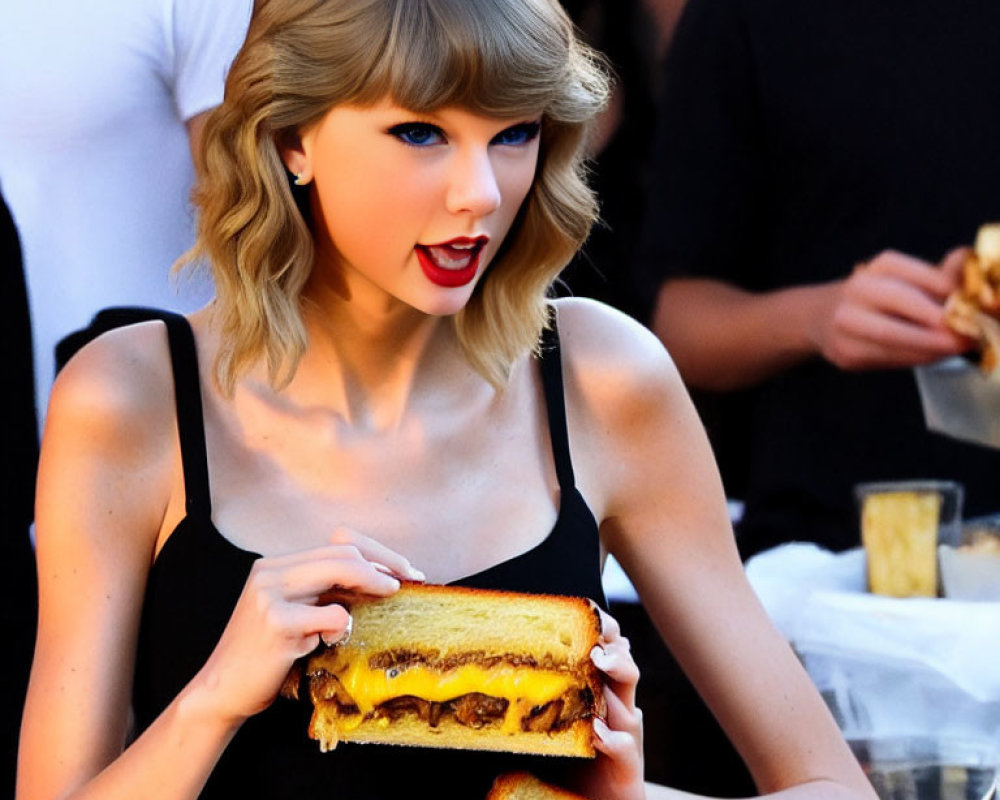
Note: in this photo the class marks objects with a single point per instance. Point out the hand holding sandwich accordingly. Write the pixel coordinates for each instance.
(457, 667)
(888, 313)
(280, 617)
(618, 770)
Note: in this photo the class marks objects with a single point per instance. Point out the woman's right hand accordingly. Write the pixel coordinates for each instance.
(279, 618)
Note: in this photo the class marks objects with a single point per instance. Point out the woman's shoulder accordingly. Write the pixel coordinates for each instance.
(609, 352)
(119, 384)
(624, 397)
(108, 466)
(638, 443)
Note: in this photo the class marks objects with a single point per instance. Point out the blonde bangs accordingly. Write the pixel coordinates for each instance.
(495, 58)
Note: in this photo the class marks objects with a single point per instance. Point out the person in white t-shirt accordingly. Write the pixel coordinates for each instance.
(98, 101)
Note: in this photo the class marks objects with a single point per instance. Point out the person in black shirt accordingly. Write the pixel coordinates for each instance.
(624, 32)
(19, 452)
(819, 166)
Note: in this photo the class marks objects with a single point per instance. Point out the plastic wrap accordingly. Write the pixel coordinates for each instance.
(959, 401)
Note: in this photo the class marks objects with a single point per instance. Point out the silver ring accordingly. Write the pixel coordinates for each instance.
(343, 637)
(347, 631)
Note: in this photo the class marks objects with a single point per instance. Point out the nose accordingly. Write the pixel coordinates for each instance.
(474, 187)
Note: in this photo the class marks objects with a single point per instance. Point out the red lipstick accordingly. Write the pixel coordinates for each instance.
(453, 263)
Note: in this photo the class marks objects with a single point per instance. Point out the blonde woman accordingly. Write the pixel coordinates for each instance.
(381, 390)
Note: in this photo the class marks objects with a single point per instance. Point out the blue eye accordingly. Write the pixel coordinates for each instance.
(518, 134)
(418, 134)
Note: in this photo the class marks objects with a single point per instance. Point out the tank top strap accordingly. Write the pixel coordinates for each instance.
(190, 417)
(555, 404)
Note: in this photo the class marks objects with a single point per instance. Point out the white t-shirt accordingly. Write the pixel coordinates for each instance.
(94, 157)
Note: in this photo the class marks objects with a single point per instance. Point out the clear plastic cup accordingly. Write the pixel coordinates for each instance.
(902, 524)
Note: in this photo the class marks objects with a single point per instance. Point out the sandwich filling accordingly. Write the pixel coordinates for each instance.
(973, 309)
(509, 693)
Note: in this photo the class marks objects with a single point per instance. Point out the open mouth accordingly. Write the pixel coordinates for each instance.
(453, 263)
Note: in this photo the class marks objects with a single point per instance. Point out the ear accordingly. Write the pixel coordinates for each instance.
(294, 149)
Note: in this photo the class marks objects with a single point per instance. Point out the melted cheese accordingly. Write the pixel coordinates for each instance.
(523, 688)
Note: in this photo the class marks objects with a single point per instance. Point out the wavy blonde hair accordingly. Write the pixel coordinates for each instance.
(499, 58)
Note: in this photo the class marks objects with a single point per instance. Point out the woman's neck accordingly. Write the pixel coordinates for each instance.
(371, 364)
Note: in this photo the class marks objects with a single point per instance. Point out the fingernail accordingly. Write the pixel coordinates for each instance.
(598, 656)
(391, 576)
(601, 729)
(411, 573)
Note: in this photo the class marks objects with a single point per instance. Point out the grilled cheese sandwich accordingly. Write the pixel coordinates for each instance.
(438, 666)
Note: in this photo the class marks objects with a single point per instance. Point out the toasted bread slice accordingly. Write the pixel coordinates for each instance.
(525, 786)
(444, 666)
(899, 532)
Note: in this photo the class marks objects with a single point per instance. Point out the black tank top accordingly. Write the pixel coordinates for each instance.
(197, 578)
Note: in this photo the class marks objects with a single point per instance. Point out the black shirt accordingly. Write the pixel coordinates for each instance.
(798, 139)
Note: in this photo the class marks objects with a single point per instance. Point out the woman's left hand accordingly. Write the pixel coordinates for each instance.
(617, 773)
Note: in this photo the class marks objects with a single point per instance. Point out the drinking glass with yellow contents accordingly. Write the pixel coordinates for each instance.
(902, 524)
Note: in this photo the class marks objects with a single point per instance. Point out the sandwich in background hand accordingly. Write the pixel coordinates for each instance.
(525, 786)
(973, 309)
(453, 667)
